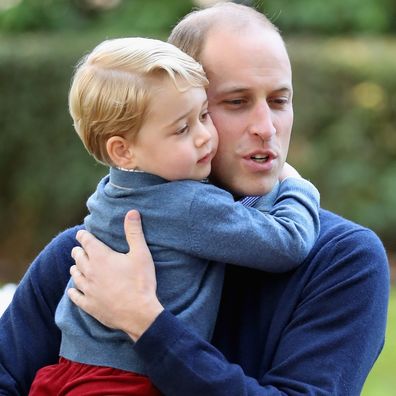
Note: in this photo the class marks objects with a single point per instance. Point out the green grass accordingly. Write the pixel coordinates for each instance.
(382, 379)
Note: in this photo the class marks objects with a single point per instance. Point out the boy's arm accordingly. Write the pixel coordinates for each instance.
(29, 338)
(277, 239)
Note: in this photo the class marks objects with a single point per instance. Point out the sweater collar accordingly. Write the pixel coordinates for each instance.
(266, 201)
(129, 179)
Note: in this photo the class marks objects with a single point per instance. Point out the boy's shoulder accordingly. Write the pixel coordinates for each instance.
(202, 189)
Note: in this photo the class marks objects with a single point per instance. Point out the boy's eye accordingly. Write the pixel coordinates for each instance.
(204, 116)
(182, 130)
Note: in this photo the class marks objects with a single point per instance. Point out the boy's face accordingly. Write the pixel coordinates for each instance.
(250, 102)
(178, 139)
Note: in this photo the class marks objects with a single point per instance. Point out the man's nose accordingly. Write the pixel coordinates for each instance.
(261, 121)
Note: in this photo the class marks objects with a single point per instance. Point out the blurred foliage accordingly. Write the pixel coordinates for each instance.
(114, 16)
(36, 15)
(304, 16)
(45, 170)
(345, 126)
(381, 380)
(331, 17)
(344, 136)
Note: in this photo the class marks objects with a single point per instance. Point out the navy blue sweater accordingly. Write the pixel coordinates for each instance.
(316, 330)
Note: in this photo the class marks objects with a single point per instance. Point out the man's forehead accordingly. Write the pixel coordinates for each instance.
(233, 72)
(253, 45)
(248, 30)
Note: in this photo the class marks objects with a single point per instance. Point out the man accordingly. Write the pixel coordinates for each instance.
(316, 330)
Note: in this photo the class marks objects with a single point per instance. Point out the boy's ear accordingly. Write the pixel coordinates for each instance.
(120, 152)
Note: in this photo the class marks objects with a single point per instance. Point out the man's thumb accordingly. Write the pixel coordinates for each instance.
(133, 230)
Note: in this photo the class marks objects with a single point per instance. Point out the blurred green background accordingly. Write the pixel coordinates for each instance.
(343, 54)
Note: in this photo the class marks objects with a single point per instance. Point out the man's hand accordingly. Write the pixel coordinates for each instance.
(117, 289)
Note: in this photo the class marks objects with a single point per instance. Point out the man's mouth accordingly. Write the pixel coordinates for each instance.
(260, 158)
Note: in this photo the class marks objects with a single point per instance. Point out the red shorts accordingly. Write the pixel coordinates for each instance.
(77, 379)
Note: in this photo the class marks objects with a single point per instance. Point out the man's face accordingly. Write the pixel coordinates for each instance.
(250, 102)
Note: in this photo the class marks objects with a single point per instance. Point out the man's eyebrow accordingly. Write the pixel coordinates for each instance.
(237, 90)
(283, 89)
(234, 90)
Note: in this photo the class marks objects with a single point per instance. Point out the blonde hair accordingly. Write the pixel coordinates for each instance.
(110, 91)
(191, 32)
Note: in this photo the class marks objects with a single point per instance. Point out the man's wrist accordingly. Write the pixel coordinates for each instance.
(147, 317)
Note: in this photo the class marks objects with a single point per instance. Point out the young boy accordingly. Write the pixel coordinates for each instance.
(139, 106)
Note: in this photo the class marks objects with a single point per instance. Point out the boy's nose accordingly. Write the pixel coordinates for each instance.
(203, 136)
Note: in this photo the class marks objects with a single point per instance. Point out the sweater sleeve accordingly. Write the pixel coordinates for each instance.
(29, 338)
(321, 349)
(276, 240)
(337, 331)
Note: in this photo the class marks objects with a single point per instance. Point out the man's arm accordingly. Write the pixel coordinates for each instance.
(322, 349)
(29, 338)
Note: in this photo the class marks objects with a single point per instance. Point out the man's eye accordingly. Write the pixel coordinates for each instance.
(236, 102)
(280, 101)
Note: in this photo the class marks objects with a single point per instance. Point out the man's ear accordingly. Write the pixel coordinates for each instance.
(120, 152)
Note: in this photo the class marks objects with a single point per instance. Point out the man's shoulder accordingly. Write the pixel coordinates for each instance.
(343, 241)
(334, 225)
(63, 242)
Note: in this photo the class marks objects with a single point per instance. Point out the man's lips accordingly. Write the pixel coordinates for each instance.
(261, 156)
(260, 160)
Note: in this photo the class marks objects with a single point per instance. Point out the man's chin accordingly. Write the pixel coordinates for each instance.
(260, 187)
(242, 187)
(253, 190)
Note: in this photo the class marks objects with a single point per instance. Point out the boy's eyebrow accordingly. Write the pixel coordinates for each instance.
(185, 115)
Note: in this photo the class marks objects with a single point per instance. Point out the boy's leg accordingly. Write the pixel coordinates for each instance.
(76, 379)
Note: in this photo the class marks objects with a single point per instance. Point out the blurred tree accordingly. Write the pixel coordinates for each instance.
(345, 102)
(41, 15)
(331, 17)
(62, 15)
(149, 17)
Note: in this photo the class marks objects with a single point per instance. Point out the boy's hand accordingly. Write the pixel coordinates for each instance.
(117, 289)
(288, 171)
